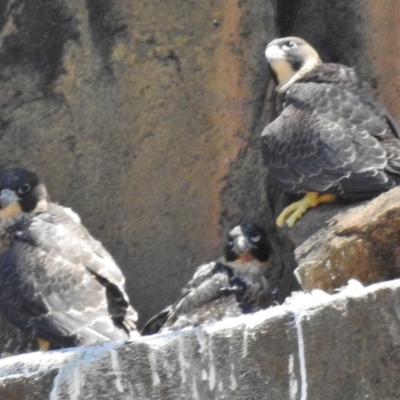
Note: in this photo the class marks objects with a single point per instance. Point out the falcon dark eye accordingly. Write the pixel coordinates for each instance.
(24, 188)
(255, 238)
(289, 44)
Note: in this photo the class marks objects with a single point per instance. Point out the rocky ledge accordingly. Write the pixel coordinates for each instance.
(316, 345)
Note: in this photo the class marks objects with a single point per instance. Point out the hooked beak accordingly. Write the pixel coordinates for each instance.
(240, 243)
(274, 53)
(8, 197)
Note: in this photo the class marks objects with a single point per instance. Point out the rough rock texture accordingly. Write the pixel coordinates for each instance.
(281, 353)
(133, 112)
(362, 243)
(358, 34)
(144, 117)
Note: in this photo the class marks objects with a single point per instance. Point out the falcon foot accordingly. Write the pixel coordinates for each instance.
(44, 345)
(294, 211)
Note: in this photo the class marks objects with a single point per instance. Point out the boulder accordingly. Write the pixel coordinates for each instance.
(362, 243)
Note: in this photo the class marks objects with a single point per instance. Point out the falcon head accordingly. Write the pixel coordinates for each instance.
(290, 58)
(21, 191)
(247, 242)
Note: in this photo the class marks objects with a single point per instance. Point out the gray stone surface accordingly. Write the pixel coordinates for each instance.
(361, 243)
(134, 112)
(144, 117)
(356, 33)
(318, 346)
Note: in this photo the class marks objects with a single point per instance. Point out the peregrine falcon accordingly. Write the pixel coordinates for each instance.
(332, 139)
(56, 281)
(233, 285)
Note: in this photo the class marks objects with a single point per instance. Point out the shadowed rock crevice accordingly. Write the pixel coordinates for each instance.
(37, 48)
(106, 26)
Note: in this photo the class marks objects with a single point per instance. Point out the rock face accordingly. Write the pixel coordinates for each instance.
(348, 341)
(362, 243)
(133, 113)
(144, 117)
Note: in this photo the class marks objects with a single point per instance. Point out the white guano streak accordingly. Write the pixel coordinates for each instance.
(153, 367)
(234, 384)
(245, 333)
(302, 357)
(56, 383)
(182, 361)
(293, 386)
(211, 381)
(117, 370)
(195, 394)
(75, 387)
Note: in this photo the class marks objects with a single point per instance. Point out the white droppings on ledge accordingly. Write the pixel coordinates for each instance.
(71, 363)
(293, 385)
(202, 339)
(74, 388)
(245, 342)
(56, 385)
(302, 356)
(353, 288)
(211, 381)
(153, 366)
(195, 393)
(117, 370)
(26, 369)
(204, 375)
(234, 384)
(182, 362)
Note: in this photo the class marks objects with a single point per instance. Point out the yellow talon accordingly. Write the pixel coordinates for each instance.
(294, 211)
(44, 345)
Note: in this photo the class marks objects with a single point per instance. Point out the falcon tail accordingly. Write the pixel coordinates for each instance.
(154, 325)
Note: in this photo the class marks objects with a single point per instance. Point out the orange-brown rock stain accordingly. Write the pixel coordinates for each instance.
(384, 33)
(360, 244)
(229, 115)
(142, 130)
